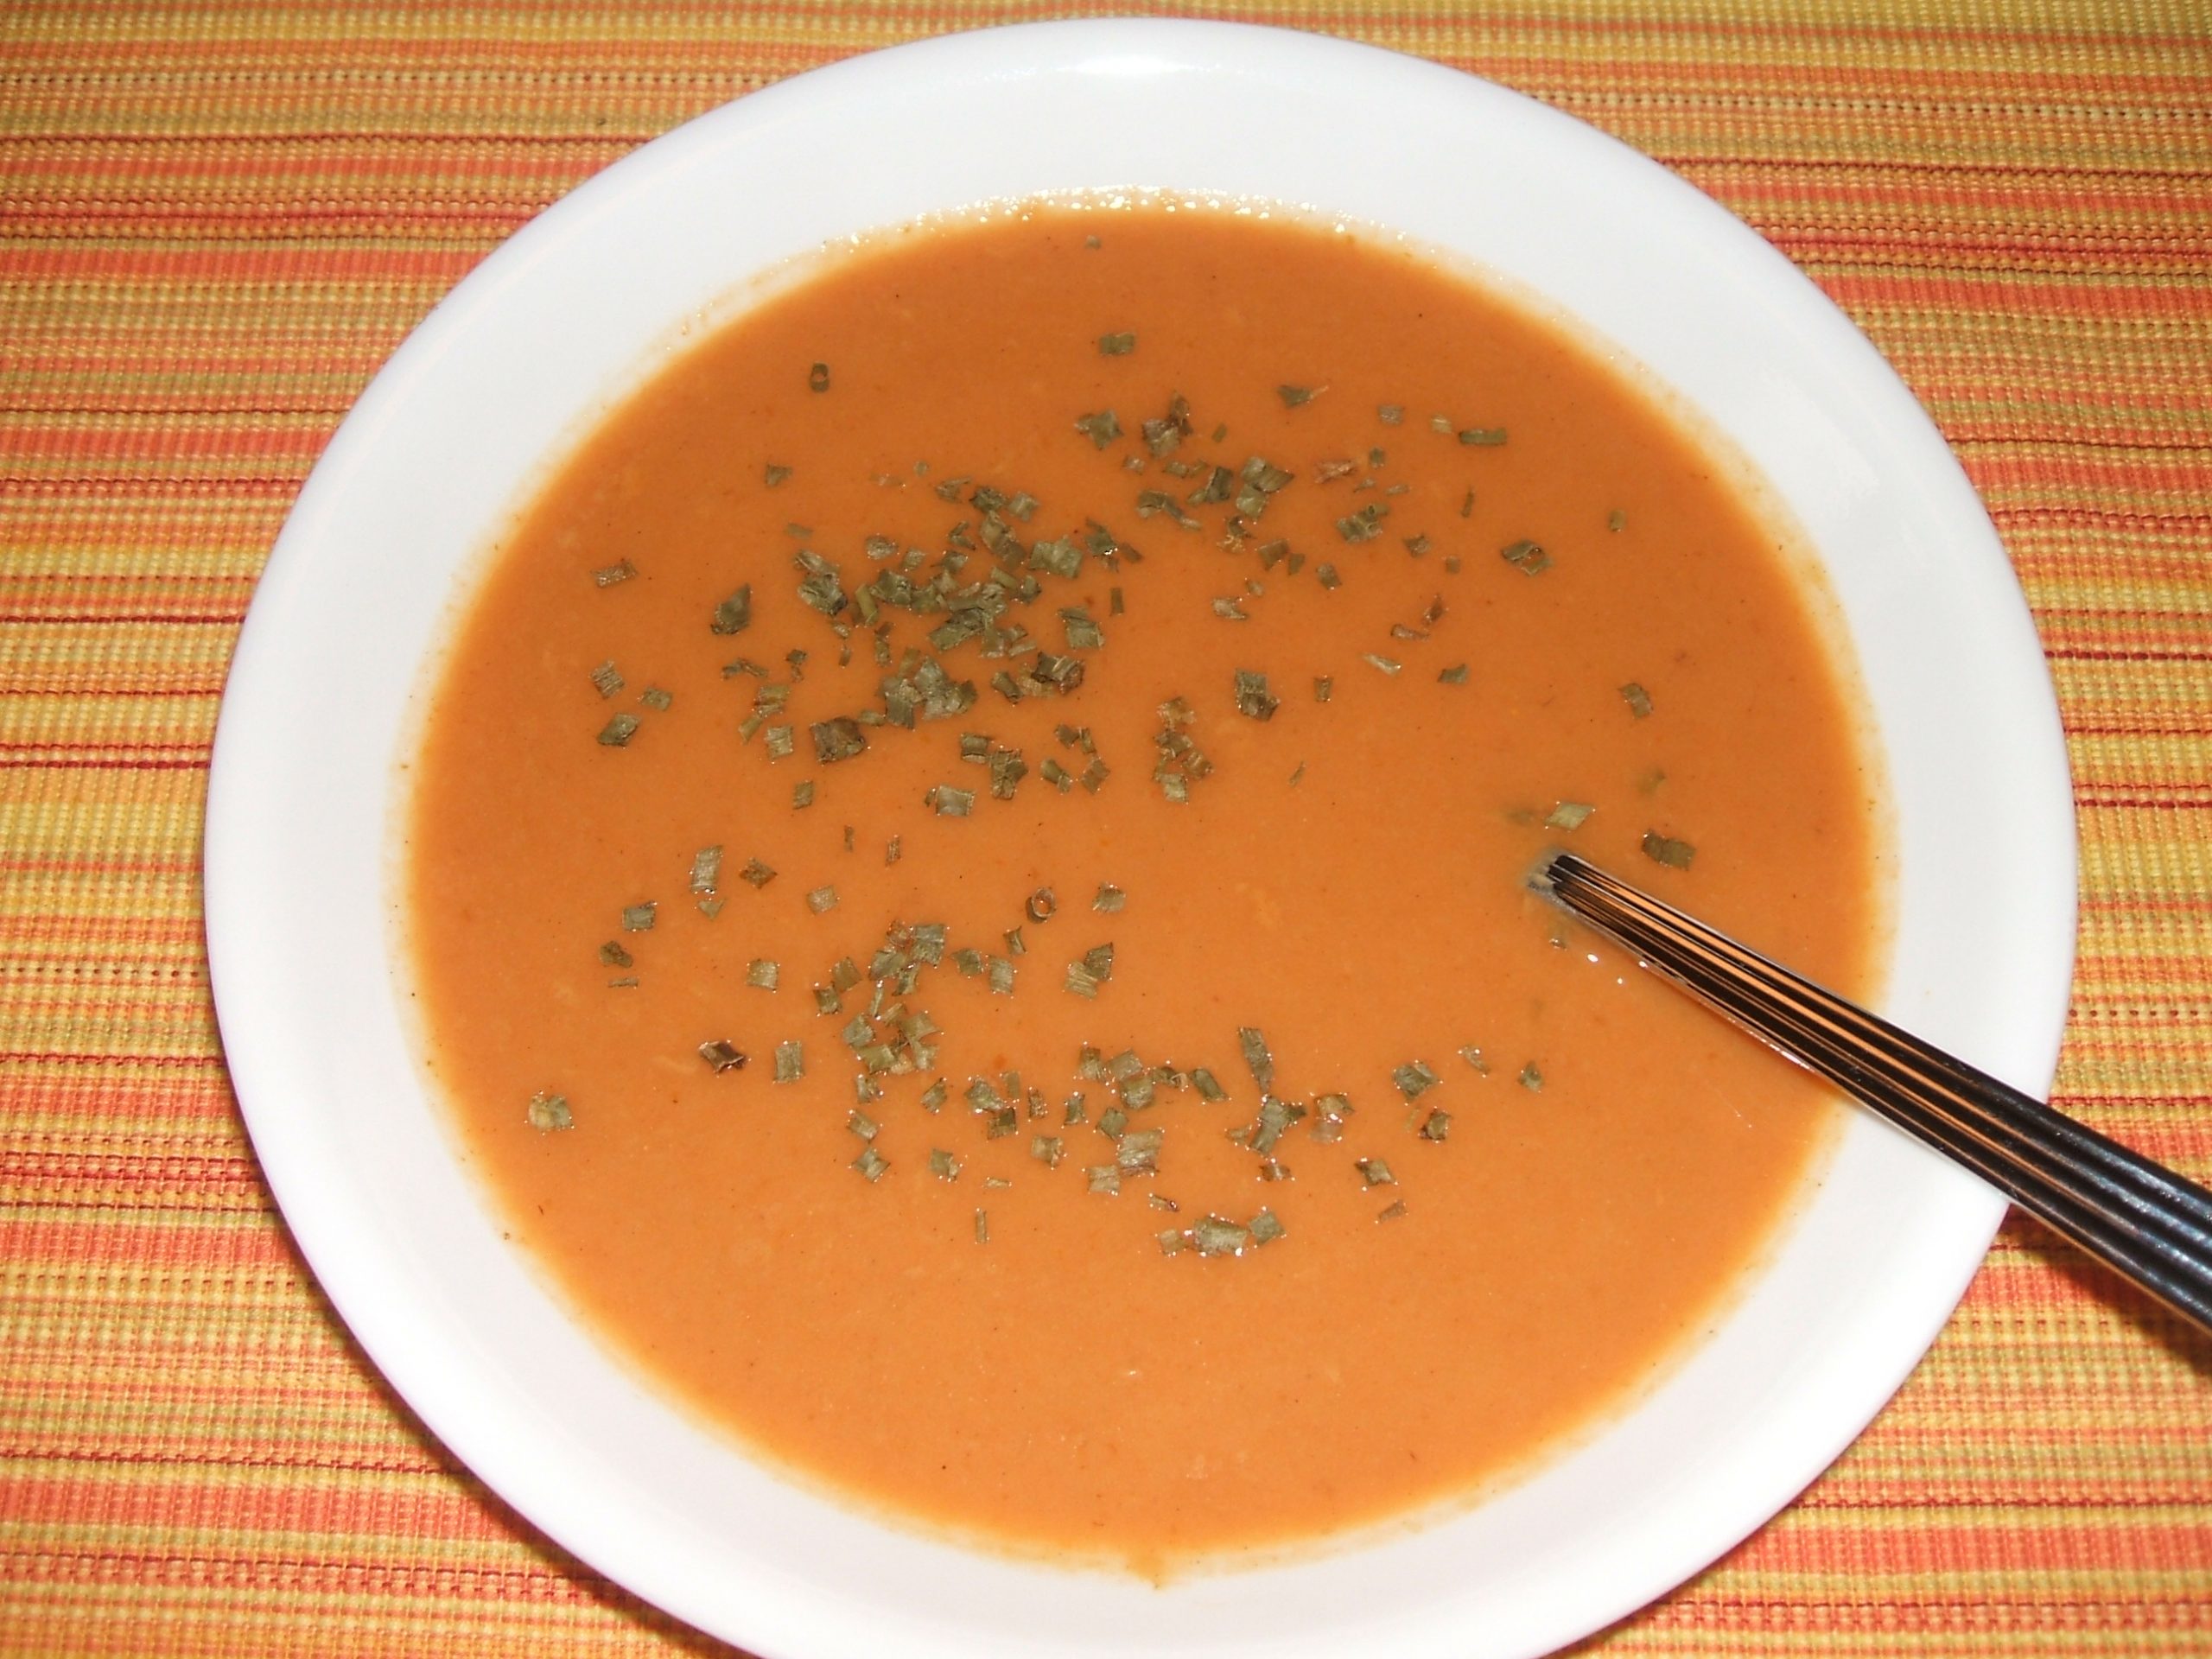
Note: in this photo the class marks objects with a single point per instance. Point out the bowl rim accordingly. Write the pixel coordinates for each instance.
(272, 771)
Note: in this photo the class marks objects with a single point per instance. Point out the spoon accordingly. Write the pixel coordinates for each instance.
(2148, 1223)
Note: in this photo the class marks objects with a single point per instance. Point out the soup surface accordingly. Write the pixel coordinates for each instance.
(965, 880)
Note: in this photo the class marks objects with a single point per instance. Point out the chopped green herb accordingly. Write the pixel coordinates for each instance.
(1047, 1149)
(1415, 1079)
(1484, 436)
(618, 730)
(1665, 850)
(1617, 521)
(1103, 1178)
(608, 575)
(951, 803)
(999, 976)
(1327, 577)
(1293, 396)
(1391, 414)
(1137, 1152)
(944, 1165)
(1102, 428)
(1230, 610)
(1040, 904)
(1323, 685)
(1365, 525)
(755, 873)
(822, 900)
(790, 1061)
(1387, 664)
(1218, 1235)
(1394, 1210)
(706, 869)
(1375, 1171)
(862, 1125)
(1253, 697)
(762, 974)
(839, 738)
(1532, 1078)
(1109, 897)
(1569, 814)
(1526, 557)
(605, 677)
(1638, 700)
(1257, 1057)
(548, 1112)
(1207, 1084)
(1455, 674)
(818, 379)
(1169, 1240)
(871, 1163)
(722, 1056)
(639, 919)
(656, 699)
(982, 1226)
(1266, 1228)
(1117, 345)
(734, 614)
(1436, 1126)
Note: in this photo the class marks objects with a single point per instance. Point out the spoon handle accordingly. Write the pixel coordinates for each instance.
(2138, 1217)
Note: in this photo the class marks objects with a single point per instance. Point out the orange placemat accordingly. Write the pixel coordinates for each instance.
(216, 221)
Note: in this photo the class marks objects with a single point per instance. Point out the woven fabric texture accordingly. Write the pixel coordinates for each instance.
(217, 220)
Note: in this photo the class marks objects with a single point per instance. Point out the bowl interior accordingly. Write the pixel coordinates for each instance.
(313, 745)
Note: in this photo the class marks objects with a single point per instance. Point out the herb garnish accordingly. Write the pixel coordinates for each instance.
(734, 614)
(1638, 700)
(1102, 428)
(1569, 814)
(1253, 697)
(1665, 850)
(706, 869)
(1532, 1077)
(618, 730)
(722, 1056)
(606, 679)
(1526, 557)
(548, 1112)
(1117, 345)
(1415, 1079)
(818, 377)
(790, 1061)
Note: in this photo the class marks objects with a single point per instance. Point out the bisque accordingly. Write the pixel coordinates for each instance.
(1593, 612)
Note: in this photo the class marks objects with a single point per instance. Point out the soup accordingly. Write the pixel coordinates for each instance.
(965, 880)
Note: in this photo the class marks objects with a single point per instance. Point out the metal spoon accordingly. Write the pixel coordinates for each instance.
(2137, 1216)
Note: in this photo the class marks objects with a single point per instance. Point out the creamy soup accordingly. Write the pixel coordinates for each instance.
(966, 880)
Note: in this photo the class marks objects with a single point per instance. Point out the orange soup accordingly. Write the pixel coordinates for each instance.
(966, 880)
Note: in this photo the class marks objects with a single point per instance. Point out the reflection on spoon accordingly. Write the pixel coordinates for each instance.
(2137, 1216)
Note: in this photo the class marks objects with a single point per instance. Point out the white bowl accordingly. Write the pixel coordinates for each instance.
(521, 357)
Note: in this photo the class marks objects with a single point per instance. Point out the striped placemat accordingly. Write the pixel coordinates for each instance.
(217, 220)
